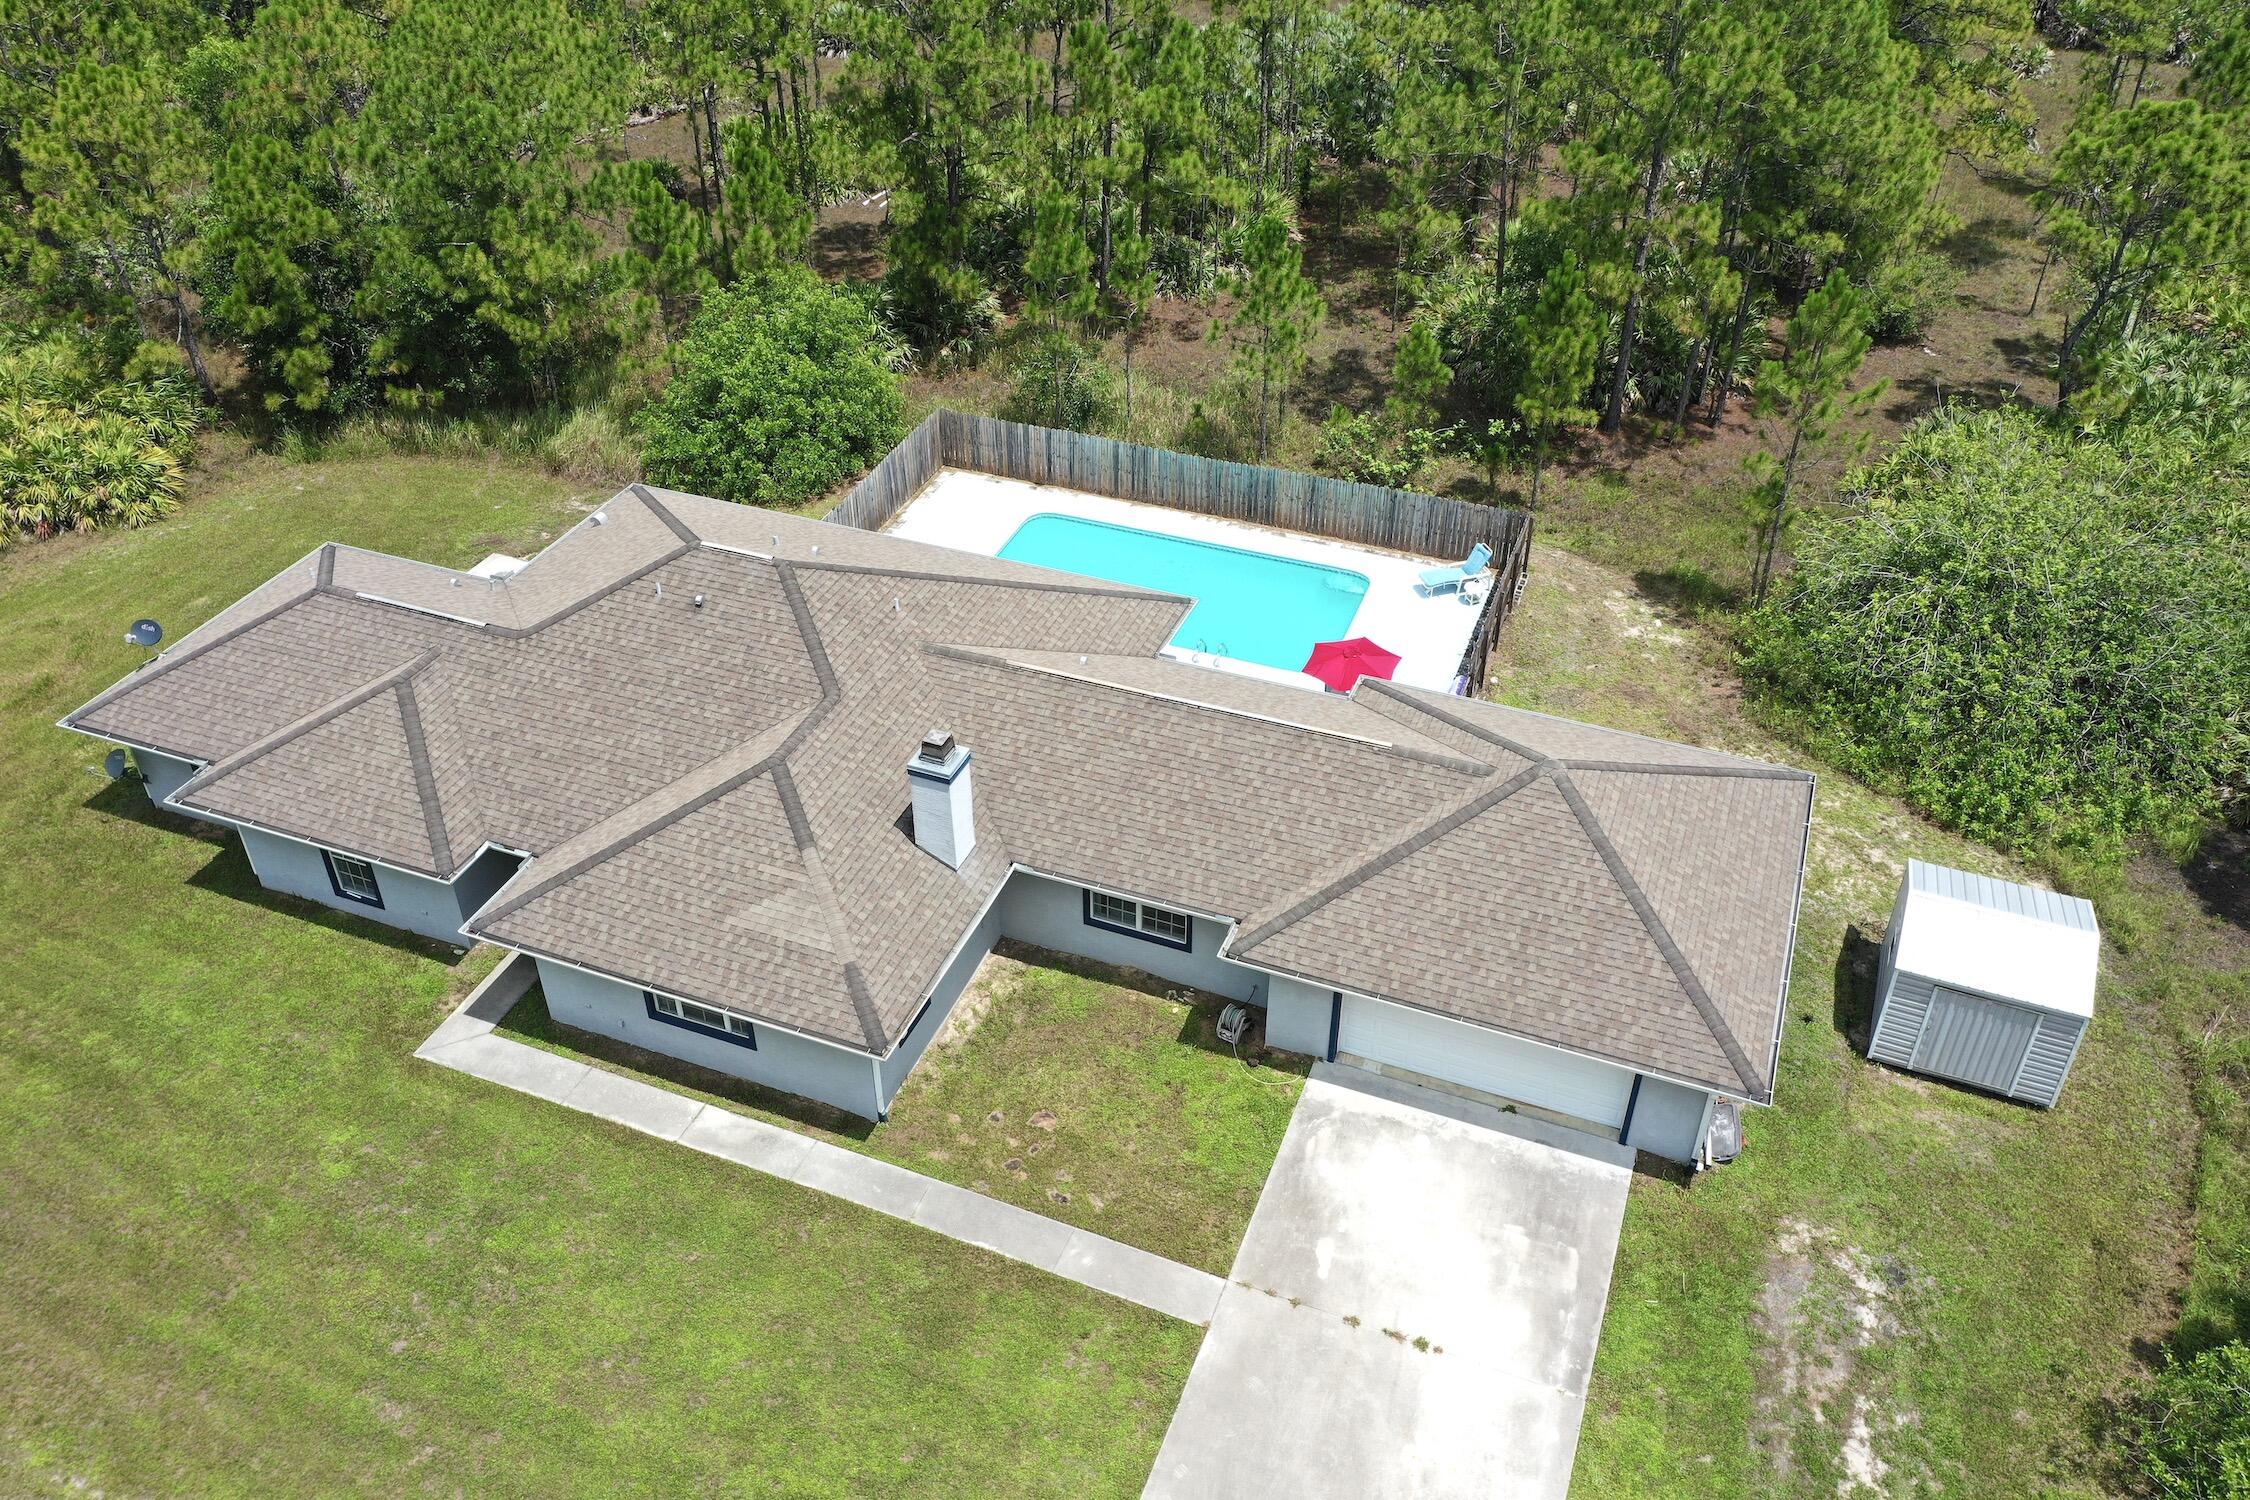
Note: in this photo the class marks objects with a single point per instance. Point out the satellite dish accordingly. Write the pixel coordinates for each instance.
(114, 765)
(144, 633)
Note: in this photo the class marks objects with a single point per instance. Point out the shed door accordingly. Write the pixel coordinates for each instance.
(1480, 1059)
(1976, 1040)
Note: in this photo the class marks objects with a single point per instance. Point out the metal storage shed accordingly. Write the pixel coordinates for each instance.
(1986, 982)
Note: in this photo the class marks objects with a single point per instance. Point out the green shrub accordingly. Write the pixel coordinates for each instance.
(784, 387)
(1370, 449)
(1906, 293)
(1059, 383)
(2190, 1440)
(81, 444)
(2034, 636)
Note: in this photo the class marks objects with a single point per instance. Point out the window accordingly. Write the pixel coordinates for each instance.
(708, 1019)
(1153, 924)
(1114, 909)
(352, 879)
(1158, 922)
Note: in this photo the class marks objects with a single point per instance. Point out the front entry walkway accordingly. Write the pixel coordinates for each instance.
(465, 1042)
(1414, 1311)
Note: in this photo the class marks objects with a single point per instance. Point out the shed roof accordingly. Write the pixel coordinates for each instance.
(693, 717)
(2000, 938)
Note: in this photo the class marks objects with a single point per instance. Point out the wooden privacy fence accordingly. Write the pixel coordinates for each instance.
(1370, 515)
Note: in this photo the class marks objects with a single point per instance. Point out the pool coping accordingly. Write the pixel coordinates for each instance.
(977, 512)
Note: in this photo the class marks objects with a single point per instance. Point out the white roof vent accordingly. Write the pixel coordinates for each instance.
(497, 566)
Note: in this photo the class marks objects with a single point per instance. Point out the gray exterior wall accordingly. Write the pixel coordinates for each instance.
(1033, 909)
(1902, 1017)
(942, 997)
(162, 774)
(413, 902)
(781, 1060)
(1297, 1016)
(1667, 1119)
(486, 873)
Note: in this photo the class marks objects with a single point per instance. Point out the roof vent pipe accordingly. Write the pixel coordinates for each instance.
(944, 798)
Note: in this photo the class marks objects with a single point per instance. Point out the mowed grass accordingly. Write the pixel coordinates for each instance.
(1080, 1092)
(1899, 1284)
(251, 1246)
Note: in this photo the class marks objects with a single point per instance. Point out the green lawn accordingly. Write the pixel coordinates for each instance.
(251, 1247)
(1951, 1284)
(1084, 1094)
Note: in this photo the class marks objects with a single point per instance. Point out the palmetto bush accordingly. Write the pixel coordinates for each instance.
(80, 448)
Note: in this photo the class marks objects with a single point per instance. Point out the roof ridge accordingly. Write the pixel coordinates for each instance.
(991, 658)
(1115, 591)
(335, 709)
(425, 776)
(1467, 726)
(1690, 982)
(1359, 871)
(149, 671)
(658, 509)
(824, 892)
(1754, 771)
(657, 822)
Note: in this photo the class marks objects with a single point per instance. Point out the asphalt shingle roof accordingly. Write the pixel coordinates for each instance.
(695, 716)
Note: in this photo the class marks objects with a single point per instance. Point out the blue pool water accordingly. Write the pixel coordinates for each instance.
(1251, 606)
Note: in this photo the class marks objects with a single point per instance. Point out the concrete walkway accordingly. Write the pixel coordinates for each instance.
(465, 1042)
(1414, 1310)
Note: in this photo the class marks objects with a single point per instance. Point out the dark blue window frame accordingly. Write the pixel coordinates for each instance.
(1183, 945)
(328, 863)
(740, 1039)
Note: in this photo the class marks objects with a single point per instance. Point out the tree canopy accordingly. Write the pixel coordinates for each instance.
(2031, 633)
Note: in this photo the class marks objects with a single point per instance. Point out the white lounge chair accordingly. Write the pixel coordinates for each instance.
(1444, 580)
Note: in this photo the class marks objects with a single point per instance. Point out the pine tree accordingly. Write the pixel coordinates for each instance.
(765, 220)
(1804, 391)
(2141, 195)
(1058, 268)
(1277, 311)
(113, 172)
(1419, 377)
(1562, 338)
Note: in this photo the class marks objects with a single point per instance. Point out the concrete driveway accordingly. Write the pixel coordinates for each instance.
(1414, 1310)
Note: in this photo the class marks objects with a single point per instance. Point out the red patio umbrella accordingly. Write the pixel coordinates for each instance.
(1342, 663)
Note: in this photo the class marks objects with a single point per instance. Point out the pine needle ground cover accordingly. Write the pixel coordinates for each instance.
(252, 1246)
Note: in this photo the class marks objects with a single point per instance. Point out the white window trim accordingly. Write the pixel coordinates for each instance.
(731, 1021)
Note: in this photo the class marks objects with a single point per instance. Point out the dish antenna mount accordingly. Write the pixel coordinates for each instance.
(145, 633)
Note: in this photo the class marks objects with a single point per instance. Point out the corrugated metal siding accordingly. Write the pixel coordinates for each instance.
(2001, 895)
(2047, 1063)
(1975, 1040)
(1898, 1020)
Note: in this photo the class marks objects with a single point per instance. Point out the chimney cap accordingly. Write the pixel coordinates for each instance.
(937, 745)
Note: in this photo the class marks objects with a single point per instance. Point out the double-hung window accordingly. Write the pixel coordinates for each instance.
(352, 879)
(1153, 924)
(708, 1019)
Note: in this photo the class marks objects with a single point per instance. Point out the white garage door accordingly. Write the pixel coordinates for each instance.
(1479, 1059)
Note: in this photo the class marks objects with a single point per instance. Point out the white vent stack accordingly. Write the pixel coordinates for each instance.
(945, 821)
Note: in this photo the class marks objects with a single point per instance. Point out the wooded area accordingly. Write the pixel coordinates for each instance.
(428, 206)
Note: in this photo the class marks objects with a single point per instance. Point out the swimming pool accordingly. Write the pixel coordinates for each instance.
(1251, 606)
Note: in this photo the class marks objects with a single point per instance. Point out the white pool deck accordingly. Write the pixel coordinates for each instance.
(980, 512)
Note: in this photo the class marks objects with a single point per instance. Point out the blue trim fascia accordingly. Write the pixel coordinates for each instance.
(648, 999)
(1335, 1021)
(1086, 910)
(1632, 1102)
(328, 863)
